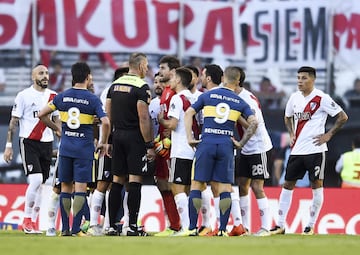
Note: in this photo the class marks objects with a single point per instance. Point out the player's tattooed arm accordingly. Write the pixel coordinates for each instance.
(341, 119)
(8, 153)
(13, 125)
(250, 131)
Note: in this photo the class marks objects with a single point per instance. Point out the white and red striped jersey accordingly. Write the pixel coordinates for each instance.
(310, 114)
(28, 104)
(260, 142)
(178, 105)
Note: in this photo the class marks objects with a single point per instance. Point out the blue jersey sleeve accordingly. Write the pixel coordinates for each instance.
(246, 110)
(199, 104)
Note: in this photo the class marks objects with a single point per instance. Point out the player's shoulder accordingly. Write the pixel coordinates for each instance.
(26, 91)
(50, 91)
(132, 80)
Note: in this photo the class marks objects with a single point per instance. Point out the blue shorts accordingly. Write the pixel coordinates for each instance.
(74, 169)
(214, 162)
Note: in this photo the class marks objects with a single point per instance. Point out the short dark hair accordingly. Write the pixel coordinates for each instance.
(80, 72)
(120, 72)
(242, 76)
(356, 141)
(193, 68)
(172, 61)
(215, 72)
(308, 69)
(185, 76)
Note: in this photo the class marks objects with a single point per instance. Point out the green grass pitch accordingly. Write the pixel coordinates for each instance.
(16, 242)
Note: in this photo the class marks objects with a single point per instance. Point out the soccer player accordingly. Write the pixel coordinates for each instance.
(214, 153)
(206, 194)
(35, 142)
(181, 154)
(252, 164)
(305, 117)
(167, 66)
(132, 133)
(154, 106)
(77, 107)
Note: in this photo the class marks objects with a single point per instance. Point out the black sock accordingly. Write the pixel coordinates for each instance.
(115, 200)
(134, 200)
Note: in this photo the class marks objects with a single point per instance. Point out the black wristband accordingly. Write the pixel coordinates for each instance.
(149, 145)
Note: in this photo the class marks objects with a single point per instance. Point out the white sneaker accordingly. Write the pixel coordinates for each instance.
(263, 232)
(95, 230)
(51, 232)
(186, 232)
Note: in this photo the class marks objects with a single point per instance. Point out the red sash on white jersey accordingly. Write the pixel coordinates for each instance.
(311, 107)
(39, 128)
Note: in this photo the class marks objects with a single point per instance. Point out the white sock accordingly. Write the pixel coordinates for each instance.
(235, 208)
(95, 208)
(264, 210)
(245, 207)
(284, 205)
(316, 205)
(54, 204)
(217, 212)
(182, 205)
(36, 208)
(106, 216)
(35, 181)
(205, 208)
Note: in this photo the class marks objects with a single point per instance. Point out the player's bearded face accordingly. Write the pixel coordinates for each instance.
(43, 82)
(158, 90)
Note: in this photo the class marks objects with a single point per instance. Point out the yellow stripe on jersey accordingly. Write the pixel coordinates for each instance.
(82, 118)
(130, 80)
(52, 106)
(221, 113)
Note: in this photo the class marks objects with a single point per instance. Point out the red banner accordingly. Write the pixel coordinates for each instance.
(340, 213)
(150, 26)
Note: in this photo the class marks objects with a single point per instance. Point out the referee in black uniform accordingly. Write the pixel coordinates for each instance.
(127, 106)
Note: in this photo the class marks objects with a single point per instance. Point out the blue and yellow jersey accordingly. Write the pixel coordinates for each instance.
(221, 108)
(77, 108)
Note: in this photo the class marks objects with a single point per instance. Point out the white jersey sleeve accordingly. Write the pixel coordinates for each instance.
(260, 142)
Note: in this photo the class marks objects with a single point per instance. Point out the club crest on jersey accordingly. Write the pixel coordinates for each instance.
(30, 168)
(313, 105)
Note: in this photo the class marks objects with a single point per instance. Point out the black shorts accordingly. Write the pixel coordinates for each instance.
(104, 169)
(129, 154)
(299, 164)
(36, 157)
(254, 166)
(180, 171)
